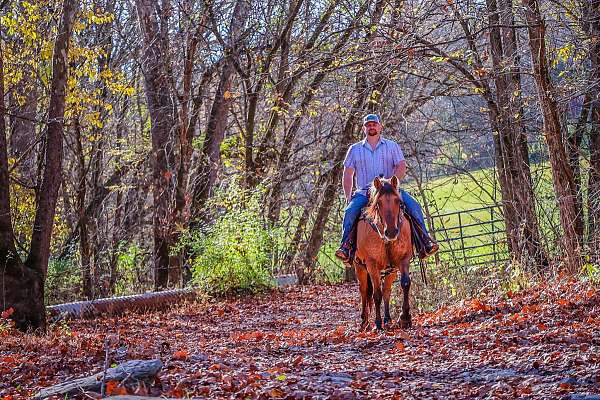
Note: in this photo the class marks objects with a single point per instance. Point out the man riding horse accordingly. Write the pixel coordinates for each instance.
(372, 157)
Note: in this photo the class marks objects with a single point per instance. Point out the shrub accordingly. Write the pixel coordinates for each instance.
(233, 255)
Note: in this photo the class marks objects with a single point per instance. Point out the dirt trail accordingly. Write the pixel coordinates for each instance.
(304, 344)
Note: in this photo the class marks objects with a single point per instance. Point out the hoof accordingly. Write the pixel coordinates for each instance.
(405, 323)
(387, 321)
(379, 325)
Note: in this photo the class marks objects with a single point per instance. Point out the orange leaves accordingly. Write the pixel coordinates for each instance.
(338, 335)
(8, 359)
(564, 302)
(399, 347)
(531, 309)
(541, 326)
(286, 346)
(115, 388)
(590, 293)
(181, 355)
(339, 331)
(478, 305)
(177, 392)
(255, 336)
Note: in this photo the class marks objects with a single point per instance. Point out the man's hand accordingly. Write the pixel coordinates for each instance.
(347, 181)
(400, 170)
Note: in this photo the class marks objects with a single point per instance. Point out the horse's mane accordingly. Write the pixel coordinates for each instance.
(386, 188)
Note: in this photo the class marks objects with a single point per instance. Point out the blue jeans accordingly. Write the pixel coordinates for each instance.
(358, 201)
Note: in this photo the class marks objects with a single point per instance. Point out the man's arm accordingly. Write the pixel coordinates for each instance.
(347, 181)
(400, 170)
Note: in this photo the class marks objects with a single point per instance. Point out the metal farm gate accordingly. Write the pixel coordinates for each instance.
(471, 237)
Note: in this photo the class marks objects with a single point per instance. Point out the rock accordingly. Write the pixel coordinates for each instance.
(337, 378)
(286, 280)
(569, 381)
(134, 369)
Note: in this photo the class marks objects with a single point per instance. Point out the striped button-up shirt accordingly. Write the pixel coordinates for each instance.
(369, 163)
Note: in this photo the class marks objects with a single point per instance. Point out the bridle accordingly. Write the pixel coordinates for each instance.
(375, 226)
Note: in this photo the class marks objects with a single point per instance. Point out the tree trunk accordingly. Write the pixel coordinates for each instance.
(14, 278)
(562, 174)
(23, 283)
(84, 242)
(512, 152)
(593, 198)
(163, 125)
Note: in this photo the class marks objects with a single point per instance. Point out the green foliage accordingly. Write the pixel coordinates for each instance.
(234, 255)
(591, 271)
(62, 277)
(130, 269)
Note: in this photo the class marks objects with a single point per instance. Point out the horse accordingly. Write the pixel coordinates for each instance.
(384, 248)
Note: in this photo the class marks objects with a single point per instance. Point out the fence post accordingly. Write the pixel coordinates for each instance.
(462, 239)
(493, 235)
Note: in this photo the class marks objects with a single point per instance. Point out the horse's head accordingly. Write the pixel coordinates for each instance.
(385, 206)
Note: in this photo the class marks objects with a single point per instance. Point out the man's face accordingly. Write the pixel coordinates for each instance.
(372, 128)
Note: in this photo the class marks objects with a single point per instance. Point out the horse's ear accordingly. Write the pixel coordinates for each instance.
(377, 183)
(394, 181)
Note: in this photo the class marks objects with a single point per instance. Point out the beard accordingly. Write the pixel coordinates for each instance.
(372, 132)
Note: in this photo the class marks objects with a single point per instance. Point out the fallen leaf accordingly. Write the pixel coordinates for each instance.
(478, 305)
(276, 392)
(114, 388)
(7, 313)
(297, 361)
(566, 386)
(181, 355)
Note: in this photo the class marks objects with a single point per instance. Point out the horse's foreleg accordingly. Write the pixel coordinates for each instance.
(374, 274)
(405, 319)
(365, 295)
(387, 292)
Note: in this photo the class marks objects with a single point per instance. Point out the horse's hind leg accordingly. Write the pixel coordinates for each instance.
(365, 293)
(387, 292)
(405, 319)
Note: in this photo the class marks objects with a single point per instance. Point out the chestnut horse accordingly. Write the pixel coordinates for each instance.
(384, 248)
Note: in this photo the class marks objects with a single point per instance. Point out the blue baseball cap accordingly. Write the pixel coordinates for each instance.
(371, 118)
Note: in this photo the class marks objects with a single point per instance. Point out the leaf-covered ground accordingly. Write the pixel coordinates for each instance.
(304, 343)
